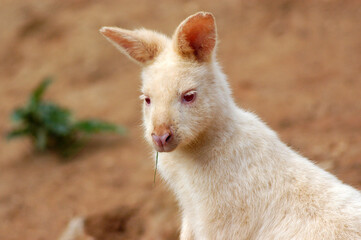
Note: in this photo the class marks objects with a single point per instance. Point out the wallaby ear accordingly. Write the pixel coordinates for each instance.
(196, 37)
(140, 45)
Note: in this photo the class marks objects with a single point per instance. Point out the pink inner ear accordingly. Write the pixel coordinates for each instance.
(200, 34)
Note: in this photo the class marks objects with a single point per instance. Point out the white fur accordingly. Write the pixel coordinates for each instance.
(231, 174)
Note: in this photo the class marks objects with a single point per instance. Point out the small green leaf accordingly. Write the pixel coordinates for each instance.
(38, 93)
(56, 119)
(18, 114)
(17, 133)
(96, 126)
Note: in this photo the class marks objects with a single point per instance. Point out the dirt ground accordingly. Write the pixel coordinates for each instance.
(297, 64)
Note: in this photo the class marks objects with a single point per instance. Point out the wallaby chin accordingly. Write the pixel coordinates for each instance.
(232, 176)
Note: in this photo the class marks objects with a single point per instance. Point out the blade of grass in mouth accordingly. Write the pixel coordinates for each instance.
(155, 170)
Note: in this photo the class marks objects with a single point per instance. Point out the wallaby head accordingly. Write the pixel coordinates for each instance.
(183, 88)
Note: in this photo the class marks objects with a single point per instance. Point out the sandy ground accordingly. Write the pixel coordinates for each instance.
(297, 64)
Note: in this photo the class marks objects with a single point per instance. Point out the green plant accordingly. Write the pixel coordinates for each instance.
(52, 127)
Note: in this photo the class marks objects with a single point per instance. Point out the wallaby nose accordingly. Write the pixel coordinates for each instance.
(163, 140)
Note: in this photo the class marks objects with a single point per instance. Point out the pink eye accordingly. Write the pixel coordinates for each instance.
(189, 97)
(147, 100)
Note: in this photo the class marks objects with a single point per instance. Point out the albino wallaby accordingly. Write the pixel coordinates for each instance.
(232, 176)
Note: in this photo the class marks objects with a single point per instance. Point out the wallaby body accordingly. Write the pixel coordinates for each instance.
(232, 176)
(258, 189)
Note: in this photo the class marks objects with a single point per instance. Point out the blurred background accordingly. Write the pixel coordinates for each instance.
(297, 64)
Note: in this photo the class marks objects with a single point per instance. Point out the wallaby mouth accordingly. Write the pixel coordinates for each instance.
(165, 148)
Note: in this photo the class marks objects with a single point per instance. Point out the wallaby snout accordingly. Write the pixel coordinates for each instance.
(163, 139)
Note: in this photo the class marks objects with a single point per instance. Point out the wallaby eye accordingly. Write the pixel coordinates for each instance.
(147, 100)
(189, 96)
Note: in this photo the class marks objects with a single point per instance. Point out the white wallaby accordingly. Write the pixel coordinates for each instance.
(231, 174)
